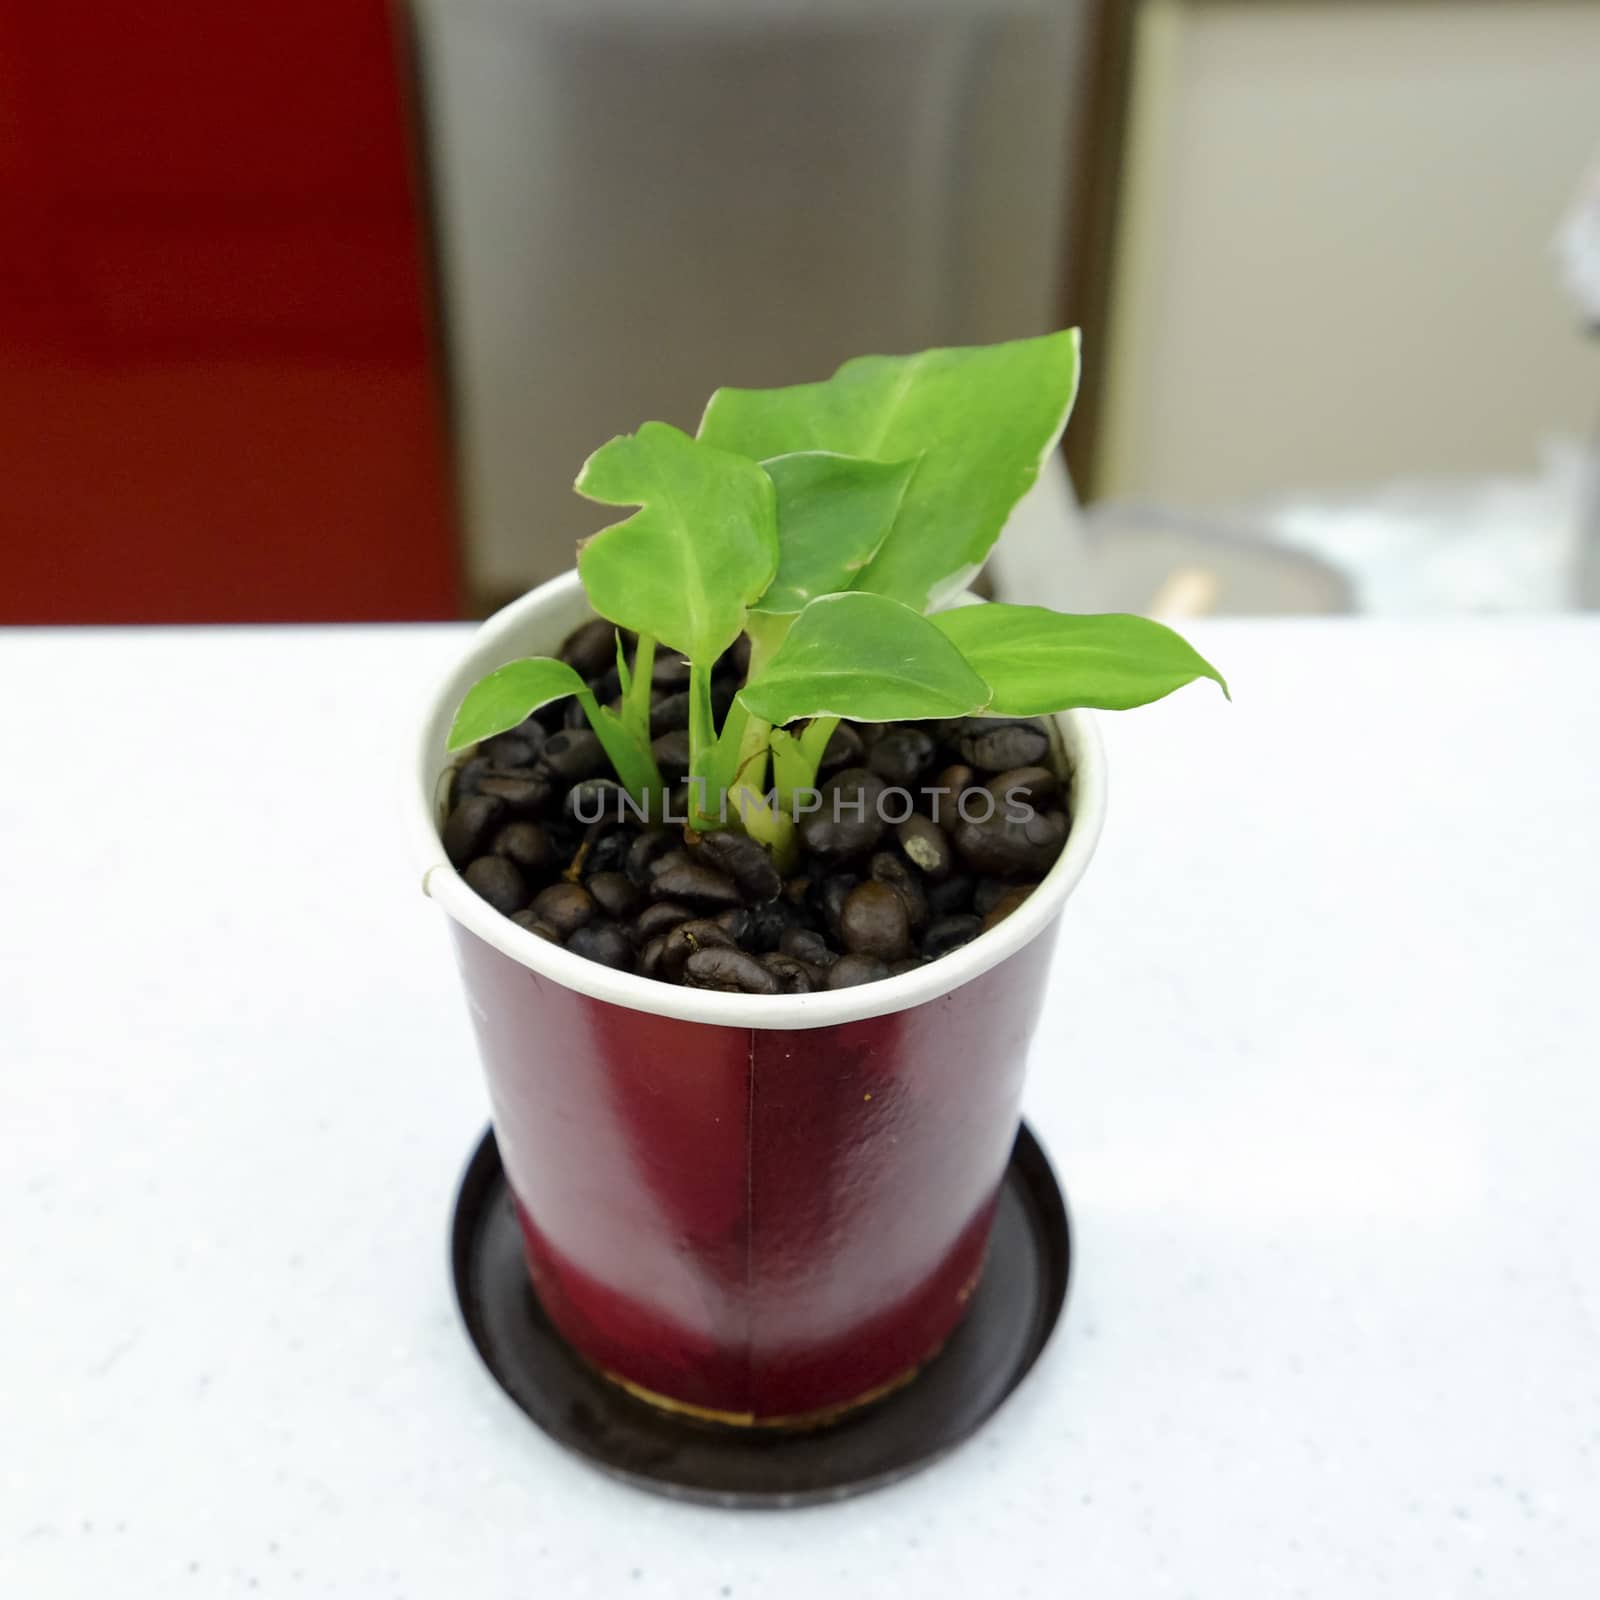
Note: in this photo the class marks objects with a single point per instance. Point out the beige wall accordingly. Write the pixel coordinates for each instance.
(1335, 262)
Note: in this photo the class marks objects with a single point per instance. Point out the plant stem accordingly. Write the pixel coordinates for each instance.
(636, 698)
(702, 749)
(635, 765)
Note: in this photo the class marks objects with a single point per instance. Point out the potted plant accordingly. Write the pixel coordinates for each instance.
(754, 837)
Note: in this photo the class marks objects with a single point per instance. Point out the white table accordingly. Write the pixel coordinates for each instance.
(1321, 1073)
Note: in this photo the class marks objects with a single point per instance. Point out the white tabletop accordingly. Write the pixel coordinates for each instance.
(1320, 1071)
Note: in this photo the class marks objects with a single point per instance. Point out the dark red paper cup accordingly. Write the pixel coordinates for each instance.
(761, 1209)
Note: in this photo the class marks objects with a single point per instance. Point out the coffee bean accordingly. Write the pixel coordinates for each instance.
(697, 934)
(1013, 849)
(468, 828)
(926, 846)
(948, 785)
(660, 917)
(465, 779)
(679, 877)
(988, 894)
(905, 964)
(949, 933)
(604, 942)
(731, 971)
(607, 688)
(828, 896)
(645, 850)
(794, 976)
(739, 857)
(574, 717)
(599, 800)
(847, 823)
(671, 751)
(901, 756)
(525, 791)
(670, 670)
(566, 907)
(999, 746)
(804, 945)
(950, 895)
(511, 750)
(591, 648)
(769, 923)
(670, 712)
(1025, 786)
(573, 756)
(843, 749)
(616, 895)
(530, 921)
(1006, 904)
(609, 853)
(499, 882)
(874, 922)
(738, 924)
(886, 867)
(527, 844)
(650, 957)
(848, 971)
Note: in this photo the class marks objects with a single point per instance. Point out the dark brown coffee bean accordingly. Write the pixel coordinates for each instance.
(1012, 849)
(469, 827)
(572, 756)
(650, 957)
(525, 790)
(669, 670)
(530, 921)
(1006, 904)
(497, 880)
(738, 923)
(844, 749)
(527, 844)
(680, 877)
(731, 971)
(848, 971)
(926, 846)
(1033, 787)
(874, 922)
(950, 933)
(804, 945)
(698, 934)
(616, 895)
(604, 942)
(646, 849)
(949, 895)
(906, 881)
(599, 800)
(661, 917)
(988, 894)
(794, 976)
(769, 923)
(739, 857)
(574, 717)
(847, 823)
(566, 907)
(670, 712)
(999, 746)
(828, 896)
(901, 756)
(947, 785)
(671, 751)
(511, 750)
(591, 648)
(609, 853)
(905, 964)
(466, 778)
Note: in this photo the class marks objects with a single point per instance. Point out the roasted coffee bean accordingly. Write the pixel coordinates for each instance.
(527, 844)
(886, 867)
(650, 957)
(699, 933)
(511, 749)
(591, 648)
(574, 718)
(905, 964)
(848, 971)
(949, 895)
(1000, 746)
(607, 688)
(735, 660)
(847, 823)
(926, 845)
(794, 976)
(530, 921)
(671, 711)
(669, 670)
(671, 751)
(660, 917)
(573, 756)
(988, 894)
(604, 942)
(948, 785)
(1012, 849)
(615, 893)
(843, 749)
(469, 827)
(1034, 787)
(804, 945)
(949, 933)
(599, 800)
(465, 779)
(901, 756)
(566, 907)
(646, 849)
(499, 882)
(731, 971)
(525, 790)
(769, 923)
(609, 853)
(874, 922)
(827, 898)
(738, 923)
(679, 877)
(1006, 904)
(739, 857)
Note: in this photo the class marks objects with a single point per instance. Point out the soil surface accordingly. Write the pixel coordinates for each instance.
(924, 835)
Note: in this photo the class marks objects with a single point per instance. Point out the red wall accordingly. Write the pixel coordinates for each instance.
(216, 394)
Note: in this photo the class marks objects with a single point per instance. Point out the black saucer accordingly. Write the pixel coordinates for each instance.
(1016, 1305)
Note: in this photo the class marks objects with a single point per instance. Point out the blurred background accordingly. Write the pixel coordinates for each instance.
(312, 311)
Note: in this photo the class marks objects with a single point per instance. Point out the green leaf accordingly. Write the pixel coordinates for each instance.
(510, 694)
(834, 512)
(867, 657)
(685, 567)
(982, 420)
(1037, 661)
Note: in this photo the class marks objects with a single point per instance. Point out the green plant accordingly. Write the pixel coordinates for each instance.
(830, 522)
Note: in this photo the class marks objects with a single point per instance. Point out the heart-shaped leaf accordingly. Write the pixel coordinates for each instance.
(508, 695)
(981, 419)
(834, 512)
(685, 567)
(868, 657)
(1037, 661)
